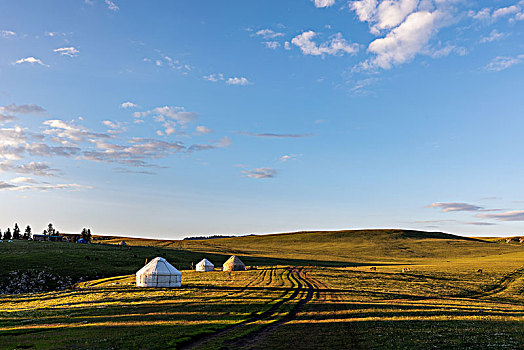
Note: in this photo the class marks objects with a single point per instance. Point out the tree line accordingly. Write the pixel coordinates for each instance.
(50, 231)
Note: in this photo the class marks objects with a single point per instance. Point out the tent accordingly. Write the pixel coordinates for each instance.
(205, 265)
(234, 264)
(158, 273)
(122, 243)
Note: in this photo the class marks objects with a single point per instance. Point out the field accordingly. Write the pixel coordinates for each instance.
(426, 292)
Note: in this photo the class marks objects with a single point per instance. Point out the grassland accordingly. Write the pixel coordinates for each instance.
(429, 294)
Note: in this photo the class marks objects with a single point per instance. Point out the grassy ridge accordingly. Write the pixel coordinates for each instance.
(356, 246)
(338, 248)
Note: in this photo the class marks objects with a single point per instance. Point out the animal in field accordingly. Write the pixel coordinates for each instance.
(479, 270)
(406, 269)
(373, 268)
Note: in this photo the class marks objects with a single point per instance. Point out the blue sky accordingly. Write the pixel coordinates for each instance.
(168, 118)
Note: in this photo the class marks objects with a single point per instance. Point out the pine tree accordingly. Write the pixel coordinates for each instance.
(27, 232)
(89, 235)
(7, 234)
(50, 230)
(16, 232)
(83, 234)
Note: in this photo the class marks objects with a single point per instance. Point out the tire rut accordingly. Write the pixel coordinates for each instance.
(502, 285)
(298, 294)
(304, 293)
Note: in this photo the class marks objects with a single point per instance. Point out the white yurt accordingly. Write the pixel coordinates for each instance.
(158, 273)
(205, 266)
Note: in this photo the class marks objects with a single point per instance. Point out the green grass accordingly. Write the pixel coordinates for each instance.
(442, 301)
(346, 247)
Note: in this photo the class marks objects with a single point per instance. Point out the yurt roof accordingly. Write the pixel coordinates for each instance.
(205, 262)
(234, 260)
(158, 266)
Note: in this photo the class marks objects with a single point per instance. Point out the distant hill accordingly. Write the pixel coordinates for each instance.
(348, 246)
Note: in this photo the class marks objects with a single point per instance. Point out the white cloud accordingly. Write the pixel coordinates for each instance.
(67, 51)
(7, 34)
(260, 173)
(337, 46)
(365, 9)
(42, 187)
(487, 14)
(390, 14)
(6, 118)
(404, 42)
(203, 130)
(34, 168)
(484, 14)
(501, 62)
(447, 50)
(111, 5)
(268, 34)
(271, 44)
(493, 36)
(31, 60)
(238, 81)
(128, 105)
(288, 157)
(324, 3)
(504, 11)
(229, 81)
(18, 180)
(214, 77)
(23, 109)
(170, 117)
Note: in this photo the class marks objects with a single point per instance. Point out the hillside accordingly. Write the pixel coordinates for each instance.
(45, 265)
(350, 246)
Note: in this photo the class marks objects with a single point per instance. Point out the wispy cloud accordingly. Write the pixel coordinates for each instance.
(271, 44)
(23, 109)
(111, 5)
(288, 157)
(268, 34)
(31, 60)
(7, 34)
(480, 223)
(130, 171)
(500, 63)
(171, 118)
(448, 207)
(33, 168)
(512, 13)
(203, 130)
(216, 77)
(70, 51)
(274, 135)
(7, 118)
(260, 173)
(27, 184)
(514, 215)
(493, 36)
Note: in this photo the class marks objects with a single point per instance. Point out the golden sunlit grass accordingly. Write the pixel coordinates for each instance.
(420, 301)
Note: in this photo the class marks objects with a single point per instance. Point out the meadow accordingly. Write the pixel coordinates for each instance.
(430, 294)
